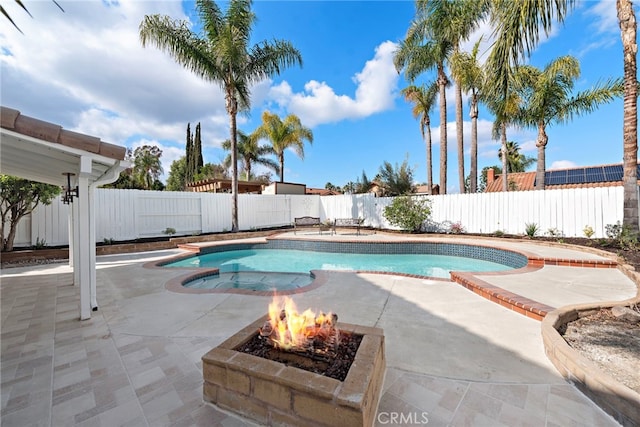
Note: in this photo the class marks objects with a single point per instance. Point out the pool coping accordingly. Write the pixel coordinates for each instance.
(470, 280)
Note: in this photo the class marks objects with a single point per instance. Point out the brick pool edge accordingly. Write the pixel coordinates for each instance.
(274, 394)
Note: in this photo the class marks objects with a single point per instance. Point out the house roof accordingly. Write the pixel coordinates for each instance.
(579, 177)
(321, 191)
(224, 185)
(42, 151)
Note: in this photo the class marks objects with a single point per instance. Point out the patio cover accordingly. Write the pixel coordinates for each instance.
(41, 151)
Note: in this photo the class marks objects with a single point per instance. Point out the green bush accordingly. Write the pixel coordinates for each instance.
(622, 235)
(531, 229)
(40, 243)
(588, 231)
(408, 213)
(169, 231)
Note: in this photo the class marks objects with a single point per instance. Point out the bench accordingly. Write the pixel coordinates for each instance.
(307, 221)
(348, 223)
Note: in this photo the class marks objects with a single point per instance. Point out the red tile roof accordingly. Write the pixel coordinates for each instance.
(321, 191)
(524, 181)
(15, 121)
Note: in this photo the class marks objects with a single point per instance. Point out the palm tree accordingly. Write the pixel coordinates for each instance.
(466, 70)
(547, 98)
(223, 56)
(147, 167)
(456, 20)
(627, 21)
(516, 161)
(506, 110)
(423, 98)
(517, 31)
(433, 37)
(421, 50)
(251, 153)
(289, 133)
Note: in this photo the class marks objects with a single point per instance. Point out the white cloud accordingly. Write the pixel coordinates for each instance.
(605, 27)
(375, 91)
(606, 16)
(87, 70)
(562, 164)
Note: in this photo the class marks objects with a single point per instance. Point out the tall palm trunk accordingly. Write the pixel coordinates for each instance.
(541, 143)
(429, 157)
(473, 181)
(281, 160)
(232, 110)
(505, 175)
(442, 84)
(627, 21)
(247, 169)
(460, 137)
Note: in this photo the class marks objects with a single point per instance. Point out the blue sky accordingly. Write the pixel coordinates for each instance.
(86, 70)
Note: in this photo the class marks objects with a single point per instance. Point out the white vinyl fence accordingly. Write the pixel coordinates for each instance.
(132, 214)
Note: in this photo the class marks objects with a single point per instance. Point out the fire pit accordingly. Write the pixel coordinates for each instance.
(279, 369)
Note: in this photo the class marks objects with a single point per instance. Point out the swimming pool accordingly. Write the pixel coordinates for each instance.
(286, 264)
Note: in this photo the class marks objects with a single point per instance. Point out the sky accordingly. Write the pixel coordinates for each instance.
(86, 70)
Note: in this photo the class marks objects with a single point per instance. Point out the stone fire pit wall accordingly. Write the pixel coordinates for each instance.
(274, 394)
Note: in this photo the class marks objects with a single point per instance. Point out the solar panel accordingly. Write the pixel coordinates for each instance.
(594, 174)
(557, 178)
(575, 176)
(613, 173)
(638, 171)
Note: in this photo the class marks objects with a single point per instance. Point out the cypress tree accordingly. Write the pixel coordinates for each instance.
(188, 176)
(198, 151)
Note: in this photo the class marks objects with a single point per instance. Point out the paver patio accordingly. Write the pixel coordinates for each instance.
(453, 357)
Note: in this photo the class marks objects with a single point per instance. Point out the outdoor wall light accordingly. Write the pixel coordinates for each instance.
(69, 193)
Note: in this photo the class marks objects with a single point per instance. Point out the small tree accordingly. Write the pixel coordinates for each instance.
(176, 181)
(408, 213)
(19, 197)
(396, 181)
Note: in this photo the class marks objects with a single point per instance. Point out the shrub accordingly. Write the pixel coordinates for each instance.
(108, 241)
(40, 243)
(457, 228)
(622, 235)
(169, 231)
(588, 231)
(531, 229)
(408, 213)
(554, 232)
(498, 233)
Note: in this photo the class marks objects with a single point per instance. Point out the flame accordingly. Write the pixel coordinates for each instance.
(291, 329)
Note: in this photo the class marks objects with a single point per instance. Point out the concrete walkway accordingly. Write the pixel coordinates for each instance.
(453, 357)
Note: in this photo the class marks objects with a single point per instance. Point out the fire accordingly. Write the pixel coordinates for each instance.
(287, 329)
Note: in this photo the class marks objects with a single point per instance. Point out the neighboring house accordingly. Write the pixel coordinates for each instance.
(322, 192)
(422, 189)
(579, 177)
(224, 186)
(284, 188)
(376, 189)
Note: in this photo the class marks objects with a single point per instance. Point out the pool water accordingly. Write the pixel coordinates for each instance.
(302, 262)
